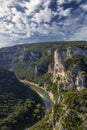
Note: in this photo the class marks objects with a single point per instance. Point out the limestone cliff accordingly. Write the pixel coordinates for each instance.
(12, 55)
(70, 67)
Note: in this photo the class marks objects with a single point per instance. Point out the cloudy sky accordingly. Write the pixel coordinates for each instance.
(25, 21)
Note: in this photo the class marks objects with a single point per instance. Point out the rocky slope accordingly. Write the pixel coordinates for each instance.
(70, 67)
(11, 55)
(70, 75)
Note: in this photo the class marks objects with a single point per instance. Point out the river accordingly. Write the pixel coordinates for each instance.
(42, 93)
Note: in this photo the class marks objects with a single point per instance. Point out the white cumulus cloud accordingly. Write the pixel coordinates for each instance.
(84, 7)
(24, 20)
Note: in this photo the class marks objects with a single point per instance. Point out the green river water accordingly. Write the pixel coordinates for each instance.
(46, 99)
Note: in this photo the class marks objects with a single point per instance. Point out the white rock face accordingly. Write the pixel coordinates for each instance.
(81, 81)
(58, 67)
(70, 77)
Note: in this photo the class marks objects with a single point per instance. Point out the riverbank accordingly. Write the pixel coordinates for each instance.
(47, 97)
(40, 87)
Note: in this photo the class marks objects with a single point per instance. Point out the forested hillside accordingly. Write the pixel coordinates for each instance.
(19, 105)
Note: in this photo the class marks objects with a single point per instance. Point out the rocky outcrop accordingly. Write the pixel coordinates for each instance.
(50, 68)
(70, 67)
(81, 80)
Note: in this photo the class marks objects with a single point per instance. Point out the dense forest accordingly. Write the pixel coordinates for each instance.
(19, 105)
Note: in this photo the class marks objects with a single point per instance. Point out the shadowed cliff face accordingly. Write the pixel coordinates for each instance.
(13, 55)
(70, 67)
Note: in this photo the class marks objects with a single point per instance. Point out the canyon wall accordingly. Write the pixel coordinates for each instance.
(70, 67)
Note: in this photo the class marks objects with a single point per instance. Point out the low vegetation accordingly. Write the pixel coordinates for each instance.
(72, 110)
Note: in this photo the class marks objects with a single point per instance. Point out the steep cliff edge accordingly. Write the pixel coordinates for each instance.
(70, 75)
(70, 67)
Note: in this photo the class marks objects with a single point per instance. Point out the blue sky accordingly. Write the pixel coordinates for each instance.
(26, 21)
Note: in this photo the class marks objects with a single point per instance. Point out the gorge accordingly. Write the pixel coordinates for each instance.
(59, 68)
